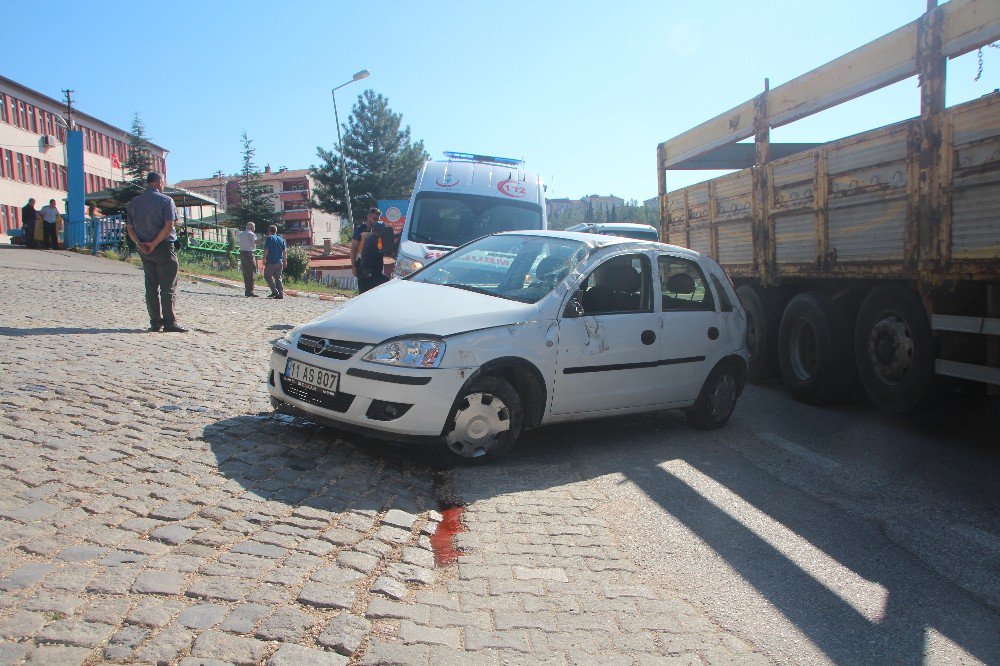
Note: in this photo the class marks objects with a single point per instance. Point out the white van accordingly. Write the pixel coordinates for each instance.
(464, 198)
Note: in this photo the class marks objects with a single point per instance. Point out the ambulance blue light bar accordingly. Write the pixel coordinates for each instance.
(472, 157)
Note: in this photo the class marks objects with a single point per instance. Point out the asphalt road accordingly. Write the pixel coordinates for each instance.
(819, 535)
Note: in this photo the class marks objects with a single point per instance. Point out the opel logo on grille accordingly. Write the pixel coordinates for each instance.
(319, 346)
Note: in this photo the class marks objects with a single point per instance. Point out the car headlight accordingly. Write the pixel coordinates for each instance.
(408, 353)
(291, 336)
(406, 265)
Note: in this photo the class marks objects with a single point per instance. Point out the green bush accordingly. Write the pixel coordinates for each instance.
(231, 248)
(298, 264)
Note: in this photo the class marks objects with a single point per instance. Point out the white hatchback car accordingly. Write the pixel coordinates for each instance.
(518, 330)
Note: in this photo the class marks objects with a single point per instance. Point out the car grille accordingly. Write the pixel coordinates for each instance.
(338, 349)
(340, 402)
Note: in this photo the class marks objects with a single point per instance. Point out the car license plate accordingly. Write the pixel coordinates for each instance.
(317, 378)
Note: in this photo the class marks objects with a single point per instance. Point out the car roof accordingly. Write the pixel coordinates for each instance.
(632, 226)
(601, 241)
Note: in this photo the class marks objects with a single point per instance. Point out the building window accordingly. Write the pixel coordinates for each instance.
(48, 174)
(4, 222)
(38, 171)
(3, 108)
(8, 162)
(32, 112)
(20, 168)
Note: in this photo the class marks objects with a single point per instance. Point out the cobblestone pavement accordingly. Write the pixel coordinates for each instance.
(152, 510)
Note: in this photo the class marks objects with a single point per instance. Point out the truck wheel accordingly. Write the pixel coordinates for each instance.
(762, 331)
(484, 424)
(894, 347)
(815, 350)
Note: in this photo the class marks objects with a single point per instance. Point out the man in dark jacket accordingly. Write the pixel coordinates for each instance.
(29, 217)
(371, 244)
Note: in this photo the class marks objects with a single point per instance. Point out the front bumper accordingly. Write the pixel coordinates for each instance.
(430, 392)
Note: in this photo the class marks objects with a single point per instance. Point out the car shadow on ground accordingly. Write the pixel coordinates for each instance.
(916, 598)
(294, 461)
(59, 330)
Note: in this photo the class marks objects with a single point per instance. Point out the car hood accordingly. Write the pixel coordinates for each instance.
(402, 307)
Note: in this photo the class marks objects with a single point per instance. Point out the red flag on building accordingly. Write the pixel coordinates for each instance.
(115, 163)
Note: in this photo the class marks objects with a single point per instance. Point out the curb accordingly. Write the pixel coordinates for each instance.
(294, 293)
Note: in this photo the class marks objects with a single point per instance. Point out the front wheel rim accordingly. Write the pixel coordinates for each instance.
(481, 421)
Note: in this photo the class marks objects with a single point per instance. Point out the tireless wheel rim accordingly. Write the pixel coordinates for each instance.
(803, 351)
(890, 348)
(722, 400)
(481, 421)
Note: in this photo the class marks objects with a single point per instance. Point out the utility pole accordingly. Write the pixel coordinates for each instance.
(69, 107)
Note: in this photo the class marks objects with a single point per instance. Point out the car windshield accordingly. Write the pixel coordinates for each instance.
(520, 268)
(453, 219)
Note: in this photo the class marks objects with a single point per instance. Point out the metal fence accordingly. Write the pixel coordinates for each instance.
(104, 233)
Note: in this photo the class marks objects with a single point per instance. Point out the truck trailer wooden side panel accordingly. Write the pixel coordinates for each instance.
(875, 257)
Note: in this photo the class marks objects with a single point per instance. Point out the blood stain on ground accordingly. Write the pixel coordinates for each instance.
(443, 539)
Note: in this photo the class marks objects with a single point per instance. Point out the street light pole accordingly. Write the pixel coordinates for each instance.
(363, 74)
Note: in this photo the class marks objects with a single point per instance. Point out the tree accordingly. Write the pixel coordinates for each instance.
(137, 165)
(588, 215)
(380, 157)
(256, 200)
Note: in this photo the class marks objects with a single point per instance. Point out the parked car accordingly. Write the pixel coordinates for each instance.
(518, 330)
(623, 229)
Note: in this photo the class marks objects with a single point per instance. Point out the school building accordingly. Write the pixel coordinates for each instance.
(33, 151)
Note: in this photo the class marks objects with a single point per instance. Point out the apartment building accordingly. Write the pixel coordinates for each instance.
(33, 151)
(292, 189)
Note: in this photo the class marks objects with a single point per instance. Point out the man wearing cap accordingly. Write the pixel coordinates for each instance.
(376, 241)
(151, 217)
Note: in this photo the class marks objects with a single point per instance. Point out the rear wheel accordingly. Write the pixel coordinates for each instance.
(717, 399)
(815, 348)
(894, 347)
(762, 331)
(484, 424)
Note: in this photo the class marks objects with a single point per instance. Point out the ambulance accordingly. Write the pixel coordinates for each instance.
(465, 197)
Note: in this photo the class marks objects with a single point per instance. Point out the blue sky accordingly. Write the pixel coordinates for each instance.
(583, 91)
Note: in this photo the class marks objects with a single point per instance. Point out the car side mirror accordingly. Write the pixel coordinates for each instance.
(574, 308)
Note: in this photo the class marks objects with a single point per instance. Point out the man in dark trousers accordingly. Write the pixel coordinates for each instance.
(29, 217)
(275, 261)
(50, 215)
(151, 217)
(371, 244)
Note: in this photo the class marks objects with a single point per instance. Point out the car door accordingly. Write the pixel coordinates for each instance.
(607, 356)
(690, 341)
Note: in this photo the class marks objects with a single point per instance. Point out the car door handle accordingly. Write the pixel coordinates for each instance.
(648, 337)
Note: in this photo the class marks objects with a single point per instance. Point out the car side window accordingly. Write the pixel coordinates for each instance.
(621, 284)
(683, 285)
(724, 302)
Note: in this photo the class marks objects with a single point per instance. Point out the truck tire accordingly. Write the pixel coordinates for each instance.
(894, 348)
(762, 332)
(815, 350)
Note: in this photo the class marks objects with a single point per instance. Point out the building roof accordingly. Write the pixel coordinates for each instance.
(76, 111)
(287, 174)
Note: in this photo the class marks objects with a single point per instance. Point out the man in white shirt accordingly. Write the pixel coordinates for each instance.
(50, 214)
(248, 263)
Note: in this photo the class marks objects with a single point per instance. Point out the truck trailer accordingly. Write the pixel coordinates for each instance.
(874, 258)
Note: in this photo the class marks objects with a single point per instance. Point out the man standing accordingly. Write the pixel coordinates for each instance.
(375, 241)
(50, 214)
(275, 260)
(248, 262)
(151, 217)
(28, 217)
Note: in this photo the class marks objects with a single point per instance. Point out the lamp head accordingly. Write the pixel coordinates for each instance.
(363, 74)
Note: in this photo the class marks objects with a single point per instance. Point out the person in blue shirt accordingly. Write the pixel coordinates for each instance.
(275, 261)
